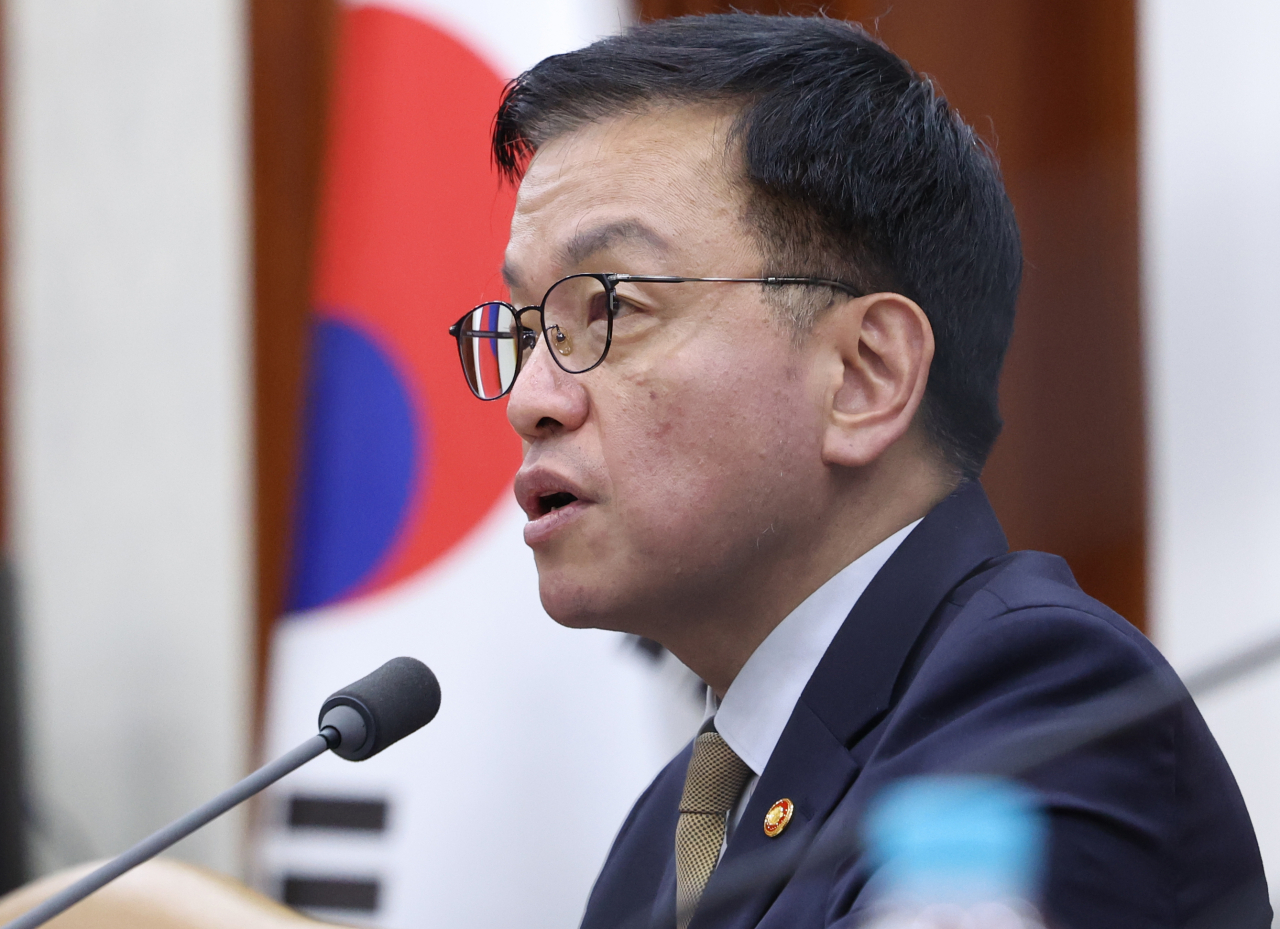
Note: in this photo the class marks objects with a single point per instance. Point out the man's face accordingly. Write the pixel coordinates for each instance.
(692, 454)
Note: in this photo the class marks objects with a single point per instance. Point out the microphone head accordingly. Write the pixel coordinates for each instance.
(399, 698)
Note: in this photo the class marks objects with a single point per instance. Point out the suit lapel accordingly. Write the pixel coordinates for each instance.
(853, 686)
(813, 771)
(664, 906)
(850, 691)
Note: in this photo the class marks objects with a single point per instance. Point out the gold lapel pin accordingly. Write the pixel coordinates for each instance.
(777, 818)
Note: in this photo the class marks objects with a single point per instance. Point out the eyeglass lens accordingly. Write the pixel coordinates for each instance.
(575, 317)
(490, 349)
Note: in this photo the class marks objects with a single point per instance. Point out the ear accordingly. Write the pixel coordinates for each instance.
(880, 348)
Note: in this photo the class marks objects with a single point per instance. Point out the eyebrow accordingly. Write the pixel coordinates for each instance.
(588, 242)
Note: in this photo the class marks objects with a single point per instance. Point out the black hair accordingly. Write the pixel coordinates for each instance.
(856, 166)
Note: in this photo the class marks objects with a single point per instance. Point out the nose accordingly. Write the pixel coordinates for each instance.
(545, 400)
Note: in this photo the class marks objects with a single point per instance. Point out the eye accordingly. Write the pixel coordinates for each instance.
(597, 308)
(623, 307)
(628, 304)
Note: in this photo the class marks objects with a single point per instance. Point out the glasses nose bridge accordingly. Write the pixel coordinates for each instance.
(521, 325)
(532, 308)
(529, 336)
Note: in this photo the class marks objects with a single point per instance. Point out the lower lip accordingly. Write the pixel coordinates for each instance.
(537, 531)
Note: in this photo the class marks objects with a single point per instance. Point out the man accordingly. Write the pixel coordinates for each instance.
(769, 279)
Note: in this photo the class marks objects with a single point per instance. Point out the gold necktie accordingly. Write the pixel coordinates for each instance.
(715, 778)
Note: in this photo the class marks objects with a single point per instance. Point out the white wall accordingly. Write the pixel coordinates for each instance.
(1211, 221)
(127, 328)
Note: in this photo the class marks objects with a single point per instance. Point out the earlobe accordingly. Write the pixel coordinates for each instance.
(884, 346)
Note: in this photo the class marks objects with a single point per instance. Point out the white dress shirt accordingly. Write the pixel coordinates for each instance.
(757, 705)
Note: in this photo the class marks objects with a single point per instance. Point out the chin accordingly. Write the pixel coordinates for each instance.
(570, 607)
(578, 606)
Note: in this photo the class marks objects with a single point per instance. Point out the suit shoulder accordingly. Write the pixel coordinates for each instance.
(1029, 593)
(1020, 631)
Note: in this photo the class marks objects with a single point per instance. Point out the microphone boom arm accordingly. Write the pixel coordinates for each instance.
(157, 842)
(356, 722)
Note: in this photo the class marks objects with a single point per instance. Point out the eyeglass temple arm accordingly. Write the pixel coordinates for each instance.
(456, 328)
(663, 279)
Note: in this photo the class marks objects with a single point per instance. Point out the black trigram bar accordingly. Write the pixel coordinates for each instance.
(333, 893)
(360, 815)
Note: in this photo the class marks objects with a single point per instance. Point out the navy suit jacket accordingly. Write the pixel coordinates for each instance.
(963, 656)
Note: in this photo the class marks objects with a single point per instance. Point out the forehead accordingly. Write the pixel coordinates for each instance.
(658, 186)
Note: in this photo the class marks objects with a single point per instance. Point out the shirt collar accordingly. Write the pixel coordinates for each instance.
(758, 703)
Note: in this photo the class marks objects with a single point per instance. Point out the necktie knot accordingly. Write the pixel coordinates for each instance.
(715, 777)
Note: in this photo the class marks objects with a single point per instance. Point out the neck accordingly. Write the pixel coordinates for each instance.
(715, 638)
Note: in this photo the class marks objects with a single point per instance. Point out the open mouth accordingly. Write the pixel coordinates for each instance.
(549, 503)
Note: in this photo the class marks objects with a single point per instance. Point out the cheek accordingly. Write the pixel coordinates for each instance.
(722, 450)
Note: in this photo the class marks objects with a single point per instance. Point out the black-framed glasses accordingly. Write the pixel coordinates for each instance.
(577, 314)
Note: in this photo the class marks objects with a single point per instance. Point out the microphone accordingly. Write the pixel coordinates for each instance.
(356, 723)
(376, 711)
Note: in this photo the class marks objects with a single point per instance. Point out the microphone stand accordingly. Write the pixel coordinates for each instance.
(157, 842)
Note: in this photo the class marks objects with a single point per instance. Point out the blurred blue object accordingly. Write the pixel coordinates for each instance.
(960, 840)
(361, 459)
